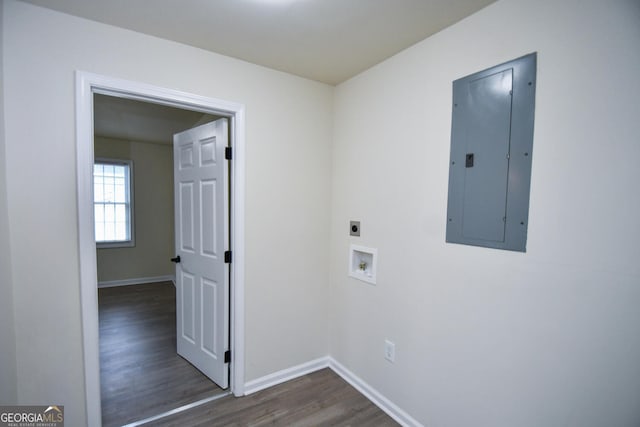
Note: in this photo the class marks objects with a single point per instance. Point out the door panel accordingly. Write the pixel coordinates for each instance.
(488, 134)
(186, 217)
(202, 236)
(187, 331)
(208, 204)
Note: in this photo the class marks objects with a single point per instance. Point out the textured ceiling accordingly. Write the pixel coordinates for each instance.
(324, 40)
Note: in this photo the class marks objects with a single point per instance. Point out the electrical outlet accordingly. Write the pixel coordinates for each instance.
(389, 351)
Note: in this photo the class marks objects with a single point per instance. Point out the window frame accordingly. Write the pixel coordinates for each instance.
(116, 243)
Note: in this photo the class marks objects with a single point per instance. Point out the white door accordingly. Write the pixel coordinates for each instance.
(202, 237)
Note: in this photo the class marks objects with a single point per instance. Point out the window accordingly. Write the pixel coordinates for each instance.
(113, 203)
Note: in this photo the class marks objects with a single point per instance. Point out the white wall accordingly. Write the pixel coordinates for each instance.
(8, 390)
(153, 212)
(288, 138)
(486, 337)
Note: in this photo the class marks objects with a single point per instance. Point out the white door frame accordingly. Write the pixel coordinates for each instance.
(86, 85)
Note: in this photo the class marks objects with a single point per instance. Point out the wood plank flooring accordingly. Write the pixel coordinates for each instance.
(140, 373)
(321, 398)
(142, 376)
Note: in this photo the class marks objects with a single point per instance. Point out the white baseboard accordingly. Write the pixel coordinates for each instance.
(285, 375)
(369, 392)
(136, 281)
(393, 410)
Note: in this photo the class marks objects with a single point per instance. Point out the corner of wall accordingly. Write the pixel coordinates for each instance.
(8, 378)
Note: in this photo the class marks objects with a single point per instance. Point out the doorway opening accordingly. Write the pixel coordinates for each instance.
(87, 85)
(141, 373)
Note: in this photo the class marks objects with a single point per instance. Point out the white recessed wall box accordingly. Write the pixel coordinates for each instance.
(362, 263)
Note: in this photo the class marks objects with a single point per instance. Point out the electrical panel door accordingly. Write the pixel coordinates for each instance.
(490, 165)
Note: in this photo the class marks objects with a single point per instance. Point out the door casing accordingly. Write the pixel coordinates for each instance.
(86, 85)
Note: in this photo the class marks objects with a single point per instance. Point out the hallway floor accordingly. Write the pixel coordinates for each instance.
(141, 374)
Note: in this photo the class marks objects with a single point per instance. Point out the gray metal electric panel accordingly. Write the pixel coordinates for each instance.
(490, 165)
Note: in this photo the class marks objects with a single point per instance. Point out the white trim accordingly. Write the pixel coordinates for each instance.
(286, 375)
(237, 137)
(86, 85)
(87, 248)
(393, 410)
(178, 410)
(136, 281)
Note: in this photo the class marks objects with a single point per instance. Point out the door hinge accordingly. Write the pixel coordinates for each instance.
(228, 153)
(227, 356)
(227, 257)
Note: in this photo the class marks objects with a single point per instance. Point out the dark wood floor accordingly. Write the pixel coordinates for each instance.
(318, 399)
(141, 375)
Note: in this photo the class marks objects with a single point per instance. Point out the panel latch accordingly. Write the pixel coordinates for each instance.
(468, 160)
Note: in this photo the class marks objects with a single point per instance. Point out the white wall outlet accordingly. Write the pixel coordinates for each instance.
(389, 351)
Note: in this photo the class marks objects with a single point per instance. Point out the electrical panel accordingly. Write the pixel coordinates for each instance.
(490, 164)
